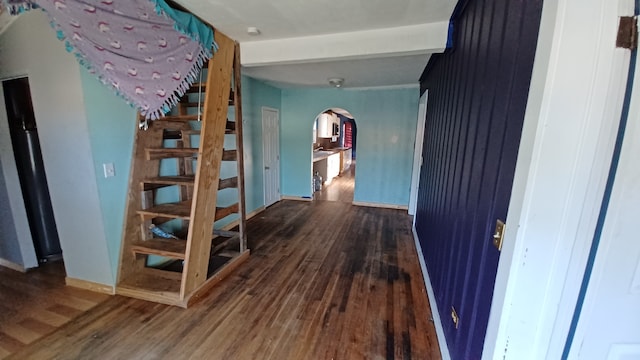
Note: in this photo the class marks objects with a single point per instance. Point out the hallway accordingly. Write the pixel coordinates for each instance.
(324, 281)
(341, 187)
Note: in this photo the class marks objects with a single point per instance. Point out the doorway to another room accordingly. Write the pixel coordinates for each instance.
(333, 156)
(30, 168)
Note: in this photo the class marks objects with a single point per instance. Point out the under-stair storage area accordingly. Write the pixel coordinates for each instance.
(187, 174)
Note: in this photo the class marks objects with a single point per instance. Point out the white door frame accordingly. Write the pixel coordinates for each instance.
(12, 183)
(417, 154)
(569, 131)
(263, 109)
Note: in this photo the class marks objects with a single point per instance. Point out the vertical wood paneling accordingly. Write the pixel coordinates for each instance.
(477, 97)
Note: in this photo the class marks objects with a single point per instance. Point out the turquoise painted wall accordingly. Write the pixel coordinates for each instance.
(255, 95)
(386, 122)
(112, 125)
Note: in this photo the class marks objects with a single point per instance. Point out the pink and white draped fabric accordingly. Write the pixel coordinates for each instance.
(132, 46)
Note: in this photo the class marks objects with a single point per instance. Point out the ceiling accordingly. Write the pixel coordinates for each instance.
(369, 43)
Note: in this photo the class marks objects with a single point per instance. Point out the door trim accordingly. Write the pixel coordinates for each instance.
(12, 183)
(417, 154)
(264, 182)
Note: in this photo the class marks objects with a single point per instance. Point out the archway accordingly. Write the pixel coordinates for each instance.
(333, 154)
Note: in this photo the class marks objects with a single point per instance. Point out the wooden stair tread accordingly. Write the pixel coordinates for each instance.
(180, 210)
(184, 180)
(191, 132)
(229, 155)
(168, 153)
(231, 182)
(183, 211)
(196, 86)
(171, 248)
(177, 134)
(223, 212)
(165, 153)
(180, 117)
(171, 180)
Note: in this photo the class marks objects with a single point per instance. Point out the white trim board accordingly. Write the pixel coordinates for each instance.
(435, 314)
(11, 265)
(90, 285)
(295, 198)
(380, 205)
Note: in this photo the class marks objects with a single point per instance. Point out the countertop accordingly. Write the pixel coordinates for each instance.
(323, 154)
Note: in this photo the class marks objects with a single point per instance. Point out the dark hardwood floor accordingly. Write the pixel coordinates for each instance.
(325, 280)
(36, 303)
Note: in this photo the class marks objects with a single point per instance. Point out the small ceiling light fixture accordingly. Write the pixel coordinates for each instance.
(336, 82)
(253, 31)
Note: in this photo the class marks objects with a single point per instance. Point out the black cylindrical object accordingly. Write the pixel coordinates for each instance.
(35, 191)
(30, 166)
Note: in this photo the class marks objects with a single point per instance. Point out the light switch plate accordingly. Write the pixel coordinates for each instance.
(109, 170)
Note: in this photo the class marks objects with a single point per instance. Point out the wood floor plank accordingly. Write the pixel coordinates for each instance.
(324, 280)
(34, 304)
(21, 333)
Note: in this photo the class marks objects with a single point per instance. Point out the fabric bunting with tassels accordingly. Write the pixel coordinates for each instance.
(148, 52)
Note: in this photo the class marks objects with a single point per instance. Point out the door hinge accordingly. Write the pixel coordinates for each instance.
(627, 33)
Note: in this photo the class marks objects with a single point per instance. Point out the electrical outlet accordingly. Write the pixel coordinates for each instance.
(109, 170)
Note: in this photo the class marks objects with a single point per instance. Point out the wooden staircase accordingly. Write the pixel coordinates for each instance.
(176, 270)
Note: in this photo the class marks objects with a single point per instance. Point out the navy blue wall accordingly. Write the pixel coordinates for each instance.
(477, 93)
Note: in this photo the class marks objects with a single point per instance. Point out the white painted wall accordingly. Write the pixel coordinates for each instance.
(569, 130)
(29, 47)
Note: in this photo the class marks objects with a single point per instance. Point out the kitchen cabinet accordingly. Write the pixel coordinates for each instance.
(331, 163)
(333, 166)
(345, 159)
(328, 125)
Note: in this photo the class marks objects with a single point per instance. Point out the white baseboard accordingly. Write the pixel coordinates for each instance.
(298, 198)
(435, 314)
(11, 265)
(255, 212)
(89, 285)
(380, 205)
(235, 223)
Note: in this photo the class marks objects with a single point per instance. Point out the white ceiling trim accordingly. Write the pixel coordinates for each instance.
(404, 40)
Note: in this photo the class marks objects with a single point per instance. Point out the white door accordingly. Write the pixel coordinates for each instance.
(609, 323)
(271, 152)
(417, 154)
